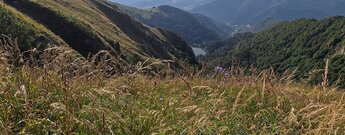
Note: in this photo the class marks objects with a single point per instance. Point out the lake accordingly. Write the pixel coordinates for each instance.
(198, 51)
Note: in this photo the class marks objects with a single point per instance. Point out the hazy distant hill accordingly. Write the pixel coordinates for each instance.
(183, 4)
(88, 27)
(195, 28)
(254, 11)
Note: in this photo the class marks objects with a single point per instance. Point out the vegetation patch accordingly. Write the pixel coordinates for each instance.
(69, 96)
(28, 32)
(304, 45)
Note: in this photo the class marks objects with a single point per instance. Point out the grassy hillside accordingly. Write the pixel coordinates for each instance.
(92, 25)
(302, 44)
(28, 32)
(69, 97)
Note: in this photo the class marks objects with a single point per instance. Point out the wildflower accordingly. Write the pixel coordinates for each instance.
(222, 71)
(226, 74)
(219, 69)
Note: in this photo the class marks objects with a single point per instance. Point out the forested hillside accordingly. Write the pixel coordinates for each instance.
(304, 45)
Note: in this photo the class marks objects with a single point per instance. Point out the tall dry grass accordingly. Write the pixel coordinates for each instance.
(55, 91)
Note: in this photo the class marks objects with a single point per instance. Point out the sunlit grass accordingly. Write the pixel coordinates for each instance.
(68, 96)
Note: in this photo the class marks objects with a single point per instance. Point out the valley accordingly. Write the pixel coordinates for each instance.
(194, 28)
(172, 67)
(198, 51)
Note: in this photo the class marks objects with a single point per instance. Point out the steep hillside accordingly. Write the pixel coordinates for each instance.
(193, 28)
(302, 44)
(222, 28)
(28, 32)
(89, 26)
(254, 11)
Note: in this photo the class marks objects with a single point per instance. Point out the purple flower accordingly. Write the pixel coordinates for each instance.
(226, 74)
(219, 69)
(223, 71)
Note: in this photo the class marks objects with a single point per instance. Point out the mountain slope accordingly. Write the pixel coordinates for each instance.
(27, 31)
(193, 28)
(249, 11)
(90, 26)
(302, 44)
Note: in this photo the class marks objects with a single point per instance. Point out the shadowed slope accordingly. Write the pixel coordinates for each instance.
(89, 26)
(28, 32)
(193, 28)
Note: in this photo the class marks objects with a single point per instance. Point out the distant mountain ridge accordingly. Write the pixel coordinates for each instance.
(183, 4)
(255, 11)
(195, 28)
